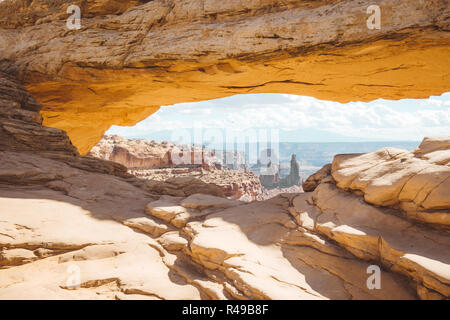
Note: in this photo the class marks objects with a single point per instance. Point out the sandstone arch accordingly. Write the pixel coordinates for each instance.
(58, 207)
(130, 57)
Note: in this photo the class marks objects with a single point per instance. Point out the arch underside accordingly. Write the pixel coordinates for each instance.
(126, 61)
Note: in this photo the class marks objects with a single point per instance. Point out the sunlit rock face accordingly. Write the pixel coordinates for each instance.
(417, 182)
(133, 152)
(63, 214)
(22, 133)
(130, 57)
(153, 160)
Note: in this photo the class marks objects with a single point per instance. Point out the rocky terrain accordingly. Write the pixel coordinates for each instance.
(141, 153)
(79, 227)
(133, 153)
(76, 227)
(152, 160)
(415, 183)
(130, 57)
(236, 185)
(270, 193)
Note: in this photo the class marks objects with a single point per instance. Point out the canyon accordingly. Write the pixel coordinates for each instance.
(77, 227)
(153, 160)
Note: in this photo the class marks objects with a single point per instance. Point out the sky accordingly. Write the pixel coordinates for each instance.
(294, 118)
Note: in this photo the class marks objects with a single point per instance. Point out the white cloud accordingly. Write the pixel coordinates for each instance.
(195, 111)
(438, 103)
(382, 119)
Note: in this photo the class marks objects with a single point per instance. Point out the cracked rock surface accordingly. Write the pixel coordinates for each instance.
(417, 183)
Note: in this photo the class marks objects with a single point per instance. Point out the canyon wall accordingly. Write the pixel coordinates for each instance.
(130, 57)
(133, 153)
(153, 160)
(145, 154)
(21, 131)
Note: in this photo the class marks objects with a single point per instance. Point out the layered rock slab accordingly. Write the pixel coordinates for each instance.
(389, 206)
(379, 235)
(45, 231)
(61, 215)
(416, 182)
(223, 249)
(261, 250)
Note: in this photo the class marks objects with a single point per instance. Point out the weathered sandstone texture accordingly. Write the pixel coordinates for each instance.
(153, 160)
(236, 185)
(315, 179)
(417, 182)
(144, 154)
(130, 57)
(21, 130)
(75, 227)
(133, 153)
(70, 233)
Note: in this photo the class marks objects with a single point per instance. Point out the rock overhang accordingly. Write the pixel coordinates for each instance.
(129, 59)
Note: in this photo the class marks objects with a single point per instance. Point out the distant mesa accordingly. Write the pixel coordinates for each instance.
(153, 160)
